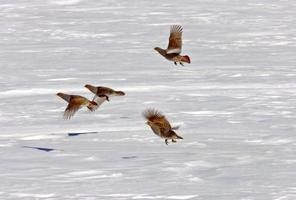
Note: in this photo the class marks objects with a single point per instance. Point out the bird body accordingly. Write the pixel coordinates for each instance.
(160, 125)
(174, 48)
(75, 102)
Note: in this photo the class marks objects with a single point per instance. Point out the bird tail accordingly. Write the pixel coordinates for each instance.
(179, 137)
(186, 59)
(176, 127)
(175, 136)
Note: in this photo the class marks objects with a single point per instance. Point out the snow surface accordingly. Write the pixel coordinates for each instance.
(235, 102)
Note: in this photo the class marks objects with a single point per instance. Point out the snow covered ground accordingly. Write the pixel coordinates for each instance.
(236, 101)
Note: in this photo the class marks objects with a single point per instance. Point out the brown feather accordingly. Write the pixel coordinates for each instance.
(175, 39)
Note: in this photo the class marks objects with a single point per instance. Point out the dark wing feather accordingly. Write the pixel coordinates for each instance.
(71, 110)
(74, 105)
(158, 119)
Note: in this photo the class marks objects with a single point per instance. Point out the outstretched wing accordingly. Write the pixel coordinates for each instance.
(164, 125)
(175, 40)
(71, 110)
(158, 119)
(74, 105)
(99, 100)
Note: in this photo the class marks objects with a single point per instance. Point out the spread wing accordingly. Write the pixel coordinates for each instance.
(71, 110)
(99, 100)
(74, 105)
(158, 119)
(164, 125)
(175, 40)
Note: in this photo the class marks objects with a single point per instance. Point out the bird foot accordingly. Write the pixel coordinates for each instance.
(174, 140)
(175, 63)
(166, 141)
(181, 64)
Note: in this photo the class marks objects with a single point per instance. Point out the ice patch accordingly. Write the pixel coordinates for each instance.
(236, 75)
(61, 79)
(62, 34)
(201, 145)
(272, 141)
(64, 2)
(199, 164)
(177, 197)
(197, 95)
(31, 195)
(41, 137)
(91, 158)
(27, 92)
(146, 196)
(146, 88)
(207, 113)
(83, 173)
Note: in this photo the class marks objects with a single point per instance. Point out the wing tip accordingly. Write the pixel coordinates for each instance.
(151, 112)
(176, 28)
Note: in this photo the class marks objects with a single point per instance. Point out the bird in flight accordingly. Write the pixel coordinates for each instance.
(75, 102)
(174, 48)
(103, 93)
(160, 125)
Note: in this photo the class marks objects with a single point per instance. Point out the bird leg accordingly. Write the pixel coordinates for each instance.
(103, 95)
(166, 141)
(174, 140)
(181, 64)
(175, 63)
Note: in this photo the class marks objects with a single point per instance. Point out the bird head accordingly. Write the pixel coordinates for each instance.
(93, 89)
(119, 93)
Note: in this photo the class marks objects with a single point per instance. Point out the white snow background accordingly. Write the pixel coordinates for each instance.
(235, 102)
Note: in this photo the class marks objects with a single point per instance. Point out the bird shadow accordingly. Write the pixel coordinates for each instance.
(129, 157)
(41, 148)
(82, 133)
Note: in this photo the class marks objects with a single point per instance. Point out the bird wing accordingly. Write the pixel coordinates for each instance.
(74, 105)
(71, 110)
(161, 128)
(164, 125)
(156, 129)
(99, 100)
(175, 40)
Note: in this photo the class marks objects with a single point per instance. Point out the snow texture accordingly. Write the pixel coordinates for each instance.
(236, 101)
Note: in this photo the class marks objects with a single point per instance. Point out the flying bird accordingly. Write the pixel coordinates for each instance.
(160, 125)
(75, 102)
(103, 93)
(174, 48)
